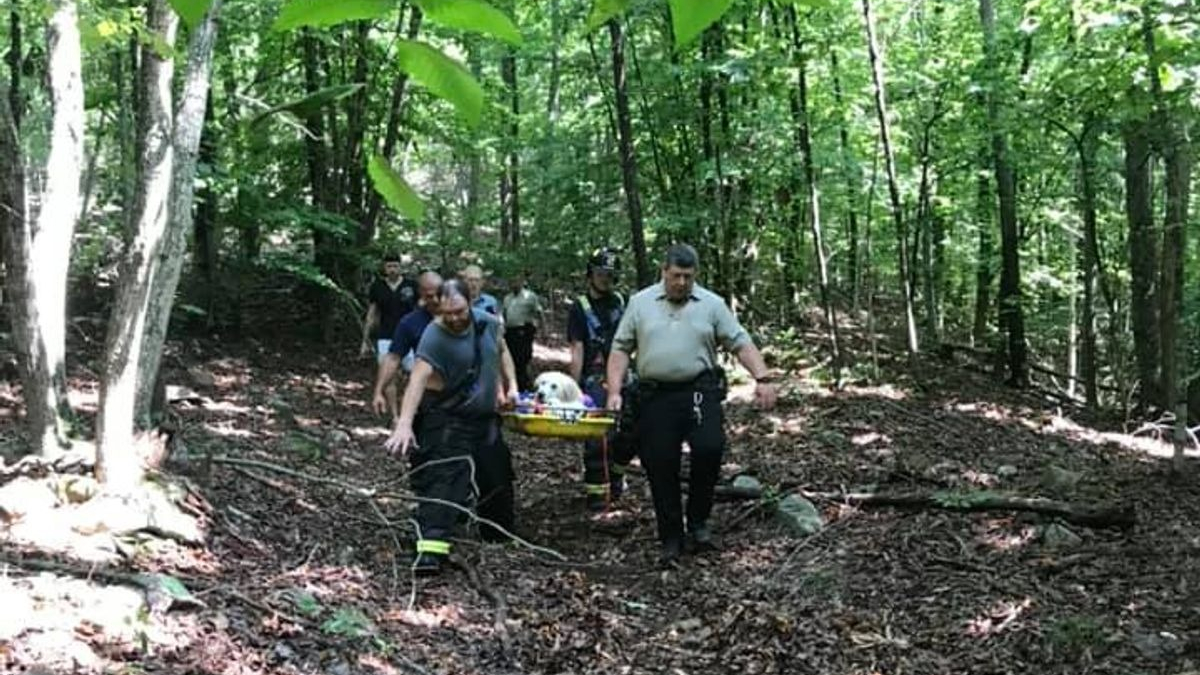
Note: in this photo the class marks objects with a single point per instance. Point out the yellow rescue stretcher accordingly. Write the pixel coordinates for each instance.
(567, 423)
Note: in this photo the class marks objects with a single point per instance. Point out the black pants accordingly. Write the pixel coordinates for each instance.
(668, 418)
(520, 344)
(604, 470)
(440, 470)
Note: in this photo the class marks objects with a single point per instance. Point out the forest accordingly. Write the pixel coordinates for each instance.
(959, 231)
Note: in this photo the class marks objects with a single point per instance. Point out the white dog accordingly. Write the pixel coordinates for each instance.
(558, 390)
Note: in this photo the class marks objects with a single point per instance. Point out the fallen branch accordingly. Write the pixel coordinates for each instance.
(1122, 517)
(498, 603)
(372, 493)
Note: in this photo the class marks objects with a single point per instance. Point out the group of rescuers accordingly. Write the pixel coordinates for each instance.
(651, 361)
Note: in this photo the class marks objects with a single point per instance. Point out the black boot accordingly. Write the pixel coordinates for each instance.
(700, 538)
(427, 564)
(672, 549)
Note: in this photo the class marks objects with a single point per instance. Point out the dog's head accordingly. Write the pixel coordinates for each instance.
(554, 388)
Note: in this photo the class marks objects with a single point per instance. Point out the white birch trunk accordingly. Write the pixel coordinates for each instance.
(117, 463)
(189, 125)
(39, 250)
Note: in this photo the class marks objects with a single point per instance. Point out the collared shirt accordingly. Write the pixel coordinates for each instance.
(677, 342)
(488, 303)
(522, 309)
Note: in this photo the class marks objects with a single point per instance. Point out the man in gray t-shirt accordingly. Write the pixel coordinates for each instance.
(462, 374)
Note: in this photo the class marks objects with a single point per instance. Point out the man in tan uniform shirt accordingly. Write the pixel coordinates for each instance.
(675, 327)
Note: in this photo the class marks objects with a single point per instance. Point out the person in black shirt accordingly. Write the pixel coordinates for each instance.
(388, 300)
(591, 322)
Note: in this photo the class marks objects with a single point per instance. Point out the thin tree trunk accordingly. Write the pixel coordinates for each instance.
(117, 465)
(353, 160)
(556, 38)
(38, 253)
(1091, 271)
(877, 76)
(508, 67)
(629, 173)
(1012, 316)
(983, 264)
(207, 237)
(188, 126)
(852, 183)
(804, 141)
(1143, 262)
(391, 133)
(15, 47)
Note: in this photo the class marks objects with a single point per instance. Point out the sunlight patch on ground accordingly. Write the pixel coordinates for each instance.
(450, 615)
(1151, 439)
(999, 534)
(887, 391)
(869, 438)
(228, 430)
(552, 355)
(998, 618)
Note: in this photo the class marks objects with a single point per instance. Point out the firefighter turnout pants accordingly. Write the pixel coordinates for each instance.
(440, 471)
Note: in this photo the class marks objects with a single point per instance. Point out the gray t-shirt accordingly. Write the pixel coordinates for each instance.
(452, 356)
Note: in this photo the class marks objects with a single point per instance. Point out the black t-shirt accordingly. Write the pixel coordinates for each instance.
(596, 341)
(392, 304)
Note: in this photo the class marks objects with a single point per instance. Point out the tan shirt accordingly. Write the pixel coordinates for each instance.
(522, 309)
(675, 343)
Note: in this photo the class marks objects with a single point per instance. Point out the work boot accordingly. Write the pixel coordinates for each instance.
(701, 538)
(616, 487)
(427, 564)
(672, 549)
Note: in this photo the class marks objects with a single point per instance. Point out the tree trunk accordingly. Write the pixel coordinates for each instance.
(983, 265)
(508, 67)
(804, 143)
(1177, 164)
(1143, 262)
(1012, 316)
(38, 255)
(852, 183)
(877, 76)
(117, 465)
(207, 235)
(188, 128)
(629, 173)
(1090, 270)
(15, 47)
(391, 133)
(556, 39)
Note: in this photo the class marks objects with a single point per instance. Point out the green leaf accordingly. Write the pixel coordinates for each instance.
(1169, 78)
(191, 11)
(603, 10)
(443, 76)
(689, 18)
(311, 103)
(394, 190)
(298, 13)
(472, 15)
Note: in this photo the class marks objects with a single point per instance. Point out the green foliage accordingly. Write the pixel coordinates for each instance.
(472, 15)
(348, 622)
(443, 76)
(191, 11)
(315, 13)
(963, 498)
(689, 18)
(311, 103)
(393, 188)
(306, 603)
(603, 10)
(1075, 635)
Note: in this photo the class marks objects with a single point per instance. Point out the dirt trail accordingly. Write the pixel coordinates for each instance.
(305, 577)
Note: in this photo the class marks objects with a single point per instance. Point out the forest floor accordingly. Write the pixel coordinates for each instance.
(300, 576)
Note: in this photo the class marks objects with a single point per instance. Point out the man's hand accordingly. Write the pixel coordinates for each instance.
(379, 404)
(402, 439)
(613, 401)
(765, 394)
(510, 398)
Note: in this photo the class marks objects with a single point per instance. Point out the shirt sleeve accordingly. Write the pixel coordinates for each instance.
(576, 324)
(729, 331)
(373, 294)
(625, 339)
(429, 352)
(403, 340)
